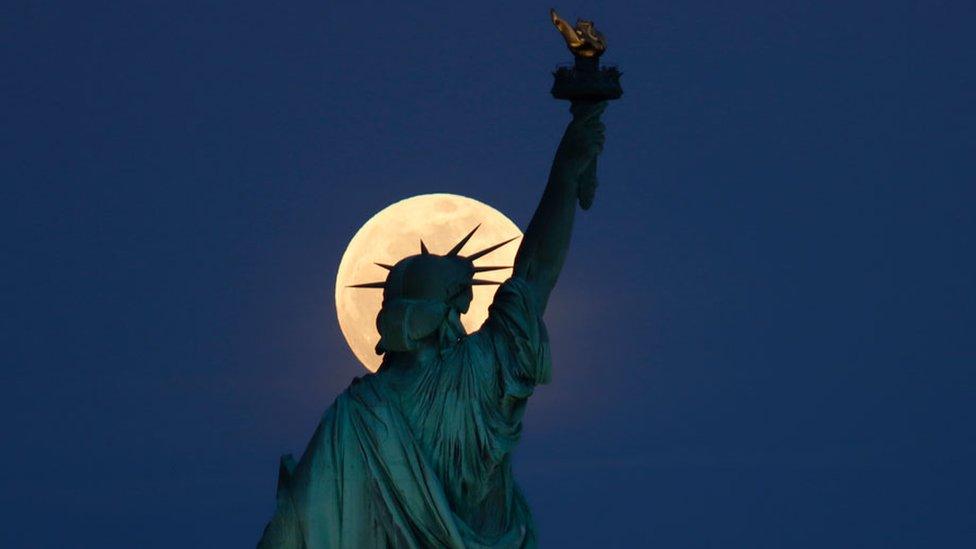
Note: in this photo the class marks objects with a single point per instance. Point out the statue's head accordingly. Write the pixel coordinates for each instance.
(430, 277)
(424, 296)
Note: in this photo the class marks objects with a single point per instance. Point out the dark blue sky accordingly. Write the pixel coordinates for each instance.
(763, 336)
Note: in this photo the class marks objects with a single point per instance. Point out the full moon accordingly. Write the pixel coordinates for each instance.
(441, 220)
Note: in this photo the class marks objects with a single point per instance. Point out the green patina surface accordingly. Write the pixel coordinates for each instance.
(419, 453)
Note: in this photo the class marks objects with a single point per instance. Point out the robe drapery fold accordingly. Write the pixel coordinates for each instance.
(420, 456)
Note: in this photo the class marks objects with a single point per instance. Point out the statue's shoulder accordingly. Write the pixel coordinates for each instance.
(515, 295)
(370, 390)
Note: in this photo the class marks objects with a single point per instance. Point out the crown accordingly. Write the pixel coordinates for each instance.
(453, 252)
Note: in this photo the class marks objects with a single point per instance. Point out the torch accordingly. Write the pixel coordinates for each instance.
(585, 81)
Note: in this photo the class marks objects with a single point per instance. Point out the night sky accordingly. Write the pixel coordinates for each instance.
(763, 336)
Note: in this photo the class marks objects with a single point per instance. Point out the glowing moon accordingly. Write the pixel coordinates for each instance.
(394, 233)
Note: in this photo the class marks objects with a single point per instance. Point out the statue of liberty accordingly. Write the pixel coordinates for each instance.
(418, 454)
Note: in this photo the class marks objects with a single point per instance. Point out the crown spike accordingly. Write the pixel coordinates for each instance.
(489, 249)
(457, 247)
(368, 285)
(476, 282)
(423, 247)
(487, 269)
(385, 266)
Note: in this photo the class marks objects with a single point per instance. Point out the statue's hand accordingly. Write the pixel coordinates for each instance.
(583, 140)
(580, 147)
(588, 183)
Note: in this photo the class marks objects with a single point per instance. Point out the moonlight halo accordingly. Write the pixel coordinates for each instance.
(441, 219)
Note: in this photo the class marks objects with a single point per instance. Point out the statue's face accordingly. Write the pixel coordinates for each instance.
(461, 301)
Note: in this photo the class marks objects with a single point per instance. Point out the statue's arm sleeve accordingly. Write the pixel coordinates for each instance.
(518, 339)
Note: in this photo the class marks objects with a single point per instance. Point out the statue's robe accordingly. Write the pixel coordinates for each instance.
(421, 456)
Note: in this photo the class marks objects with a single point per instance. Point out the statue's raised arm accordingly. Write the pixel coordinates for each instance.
(572, 179)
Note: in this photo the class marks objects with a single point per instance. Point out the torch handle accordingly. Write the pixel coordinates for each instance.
(588, 113)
